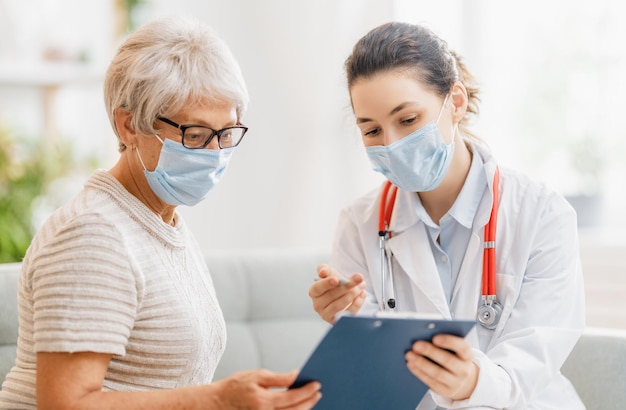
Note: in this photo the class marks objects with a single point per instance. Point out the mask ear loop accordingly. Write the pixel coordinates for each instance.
(140, 160)
(445, 100)
(139, 155)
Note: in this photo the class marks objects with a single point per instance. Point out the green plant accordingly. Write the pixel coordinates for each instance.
(128, 9)
(26, 170)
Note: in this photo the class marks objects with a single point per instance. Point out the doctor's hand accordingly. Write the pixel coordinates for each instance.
(330, 297)
(446, 366)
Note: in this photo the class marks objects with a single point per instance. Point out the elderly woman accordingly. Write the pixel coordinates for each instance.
(116, 307)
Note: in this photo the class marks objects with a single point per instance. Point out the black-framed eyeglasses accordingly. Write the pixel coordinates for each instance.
(199, 136)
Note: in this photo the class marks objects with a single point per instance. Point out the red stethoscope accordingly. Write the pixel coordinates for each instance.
(490, 311)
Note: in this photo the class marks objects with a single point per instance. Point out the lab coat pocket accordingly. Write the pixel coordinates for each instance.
(507, 290)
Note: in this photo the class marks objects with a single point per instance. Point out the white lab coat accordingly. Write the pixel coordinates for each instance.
(539, 284)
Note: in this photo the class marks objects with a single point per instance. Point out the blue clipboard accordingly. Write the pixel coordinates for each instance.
(360, 361)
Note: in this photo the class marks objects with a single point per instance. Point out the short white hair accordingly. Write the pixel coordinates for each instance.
(167, 64)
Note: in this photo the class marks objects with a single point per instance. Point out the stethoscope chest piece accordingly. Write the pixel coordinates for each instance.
(489, 315)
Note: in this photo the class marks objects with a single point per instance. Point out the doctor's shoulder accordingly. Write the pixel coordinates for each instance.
(527, 196)
(363, 206)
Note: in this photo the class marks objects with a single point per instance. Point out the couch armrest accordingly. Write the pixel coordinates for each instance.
(597, 368)
(9, 276)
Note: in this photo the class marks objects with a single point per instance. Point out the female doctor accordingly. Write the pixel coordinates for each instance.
(463, 238)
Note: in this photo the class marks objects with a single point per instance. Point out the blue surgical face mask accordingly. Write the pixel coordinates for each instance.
(417, 162)
(186, 176)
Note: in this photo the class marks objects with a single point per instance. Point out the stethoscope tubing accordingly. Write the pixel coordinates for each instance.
(488, 291)
(388, 200)
(489, 251)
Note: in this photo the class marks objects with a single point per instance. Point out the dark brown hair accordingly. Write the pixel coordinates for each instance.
(416, 50)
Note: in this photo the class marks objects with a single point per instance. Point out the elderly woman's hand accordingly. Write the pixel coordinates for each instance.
(74, 380)
(255, 390)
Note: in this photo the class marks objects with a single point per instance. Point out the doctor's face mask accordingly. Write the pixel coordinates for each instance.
(417, 162)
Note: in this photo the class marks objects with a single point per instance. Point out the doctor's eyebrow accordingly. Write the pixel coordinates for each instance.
(400, 107)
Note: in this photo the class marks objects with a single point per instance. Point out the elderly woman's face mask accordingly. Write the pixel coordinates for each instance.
(186, 176)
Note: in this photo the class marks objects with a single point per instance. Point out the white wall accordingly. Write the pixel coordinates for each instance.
(301, 160)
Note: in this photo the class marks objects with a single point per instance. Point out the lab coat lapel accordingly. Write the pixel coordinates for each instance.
(469, 268)
(470, 275)
(411, 249)
(469, 280)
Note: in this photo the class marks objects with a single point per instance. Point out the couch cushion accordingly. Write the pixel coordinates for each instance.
(264, 296)
(266, 284)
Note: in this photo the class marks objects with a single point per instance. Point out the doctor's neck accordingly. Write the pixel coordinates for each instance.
(439, 201)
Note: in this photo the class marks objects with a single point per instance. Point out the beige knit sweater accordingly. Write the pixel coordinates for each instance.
(105, 274)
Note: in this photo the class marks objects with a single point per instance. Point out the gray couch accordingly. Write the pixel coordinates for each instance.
(271, 323)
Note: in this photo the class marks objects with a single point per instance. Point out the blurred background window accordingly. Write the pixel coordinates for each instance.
(552, 82)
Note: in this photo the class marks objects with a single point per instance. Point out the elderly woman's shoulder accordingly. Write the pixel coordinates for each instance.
(89, 215)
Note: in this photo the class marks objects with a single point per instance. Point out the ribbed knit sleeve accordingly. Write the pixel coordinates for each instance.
(85, 296)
